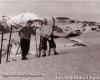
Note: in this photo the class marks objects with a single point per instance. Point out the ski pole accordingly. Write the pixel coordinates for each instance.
(8, 47)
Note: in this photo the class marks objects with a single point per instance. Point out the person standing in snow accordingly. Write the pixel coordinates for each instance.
(25, 35)
(46, 34)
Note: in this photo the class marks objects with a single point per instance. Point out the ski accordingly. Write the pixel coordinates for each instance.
(52, 33)
(8, 47)
(40, 44)
(36, 44)
(1, 45)
(17, 49)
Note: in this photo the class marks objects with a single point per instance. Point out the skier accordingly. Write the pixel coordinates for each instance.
(25, 35)
(46, 34)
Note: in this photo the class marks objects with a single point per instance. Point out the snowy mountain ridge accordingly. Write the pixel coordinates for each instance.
(23, 17)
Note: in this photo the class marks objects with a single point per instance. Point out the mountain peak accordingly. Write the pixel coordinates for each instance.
(23, 17)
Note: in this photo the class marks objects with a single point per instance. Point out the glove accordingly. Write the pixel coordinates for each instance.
(46, 36)
(49, 38)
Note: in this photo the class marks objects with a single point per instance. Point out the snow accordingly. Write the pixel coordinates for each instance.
(78, 61)
(23, 17)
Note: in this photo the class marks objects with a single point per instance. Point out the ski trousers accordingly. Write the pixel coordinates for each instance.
(25, 45)
(51, 43)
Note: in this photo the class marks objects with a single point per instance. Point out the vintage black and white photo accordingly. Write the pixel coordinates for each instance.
(49, 40)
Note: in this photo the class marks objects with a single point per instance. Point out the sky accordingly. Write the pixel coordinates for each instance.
(75, 9)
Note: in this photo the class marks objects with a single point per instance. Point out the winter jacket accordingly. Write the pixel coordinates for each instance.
(46, 30)
(26, 32)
